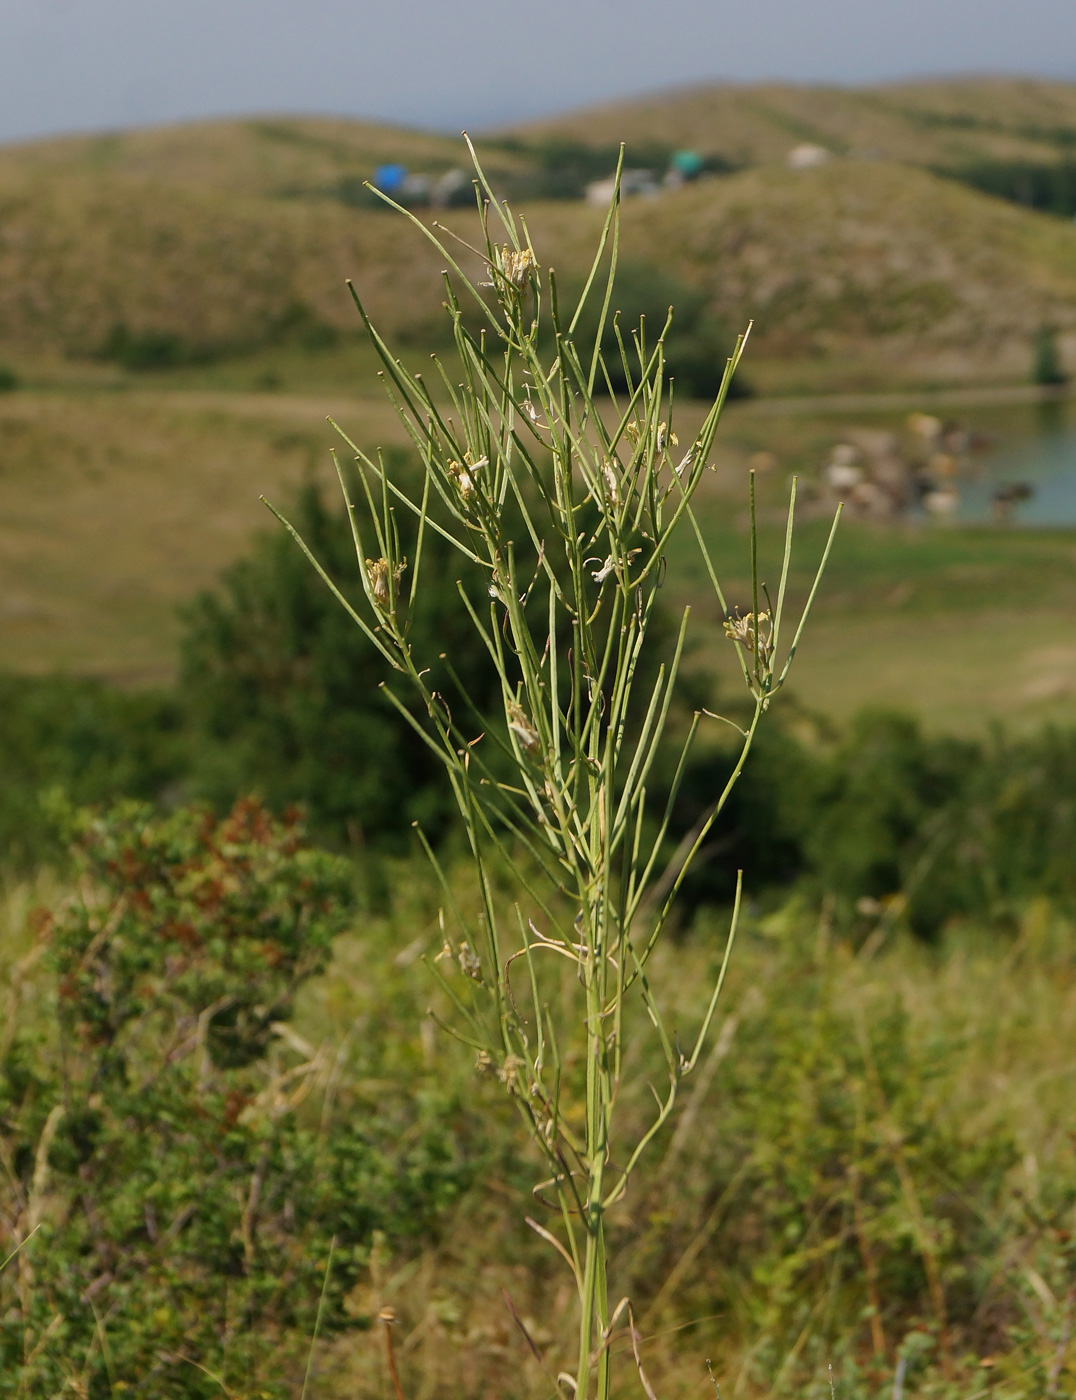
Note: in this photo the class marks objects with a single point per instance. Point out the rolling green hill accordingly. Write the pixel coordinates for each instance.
(82, 255)
(167, 247)
(217, 253)
(933, 123)
(279, 157)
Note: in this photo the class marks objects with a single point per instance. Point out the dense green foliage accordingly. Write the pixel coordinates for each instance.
(284, 691)
(1046, 364)
(838, 1190)
(882, 819)
(186, 1201)
(841, 1202)
(885, 820)
(87, 740)
(279, 696)
(148, 350)
(1046, 185)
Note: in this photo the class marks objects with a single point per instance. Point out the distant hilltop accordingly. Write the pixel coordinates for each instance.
(932, 218)
(939, 123)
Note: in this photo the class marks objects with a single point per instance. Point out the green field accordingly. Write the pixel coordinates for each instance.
(116, 504)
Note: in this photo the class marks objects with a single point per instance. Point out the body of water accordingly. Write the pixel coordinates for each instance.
(1037, 451)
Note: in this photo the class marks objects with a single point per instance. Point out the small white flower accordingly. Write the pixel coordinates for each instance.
(463, 475)
(665, 438)
(469, 963)
(522, 728)
(612, 486)
(508, 1074)
(609, 566)
(378, 571)
(746, 632)
(511, 267)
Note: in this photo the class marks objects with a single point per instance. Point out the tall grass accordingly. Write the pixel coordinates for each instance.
(853, 1117)
(564, 509)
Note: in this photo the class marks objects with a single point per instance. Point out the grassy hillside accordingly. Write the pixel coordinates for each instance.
(173, 246)
(934, 280)
(285, 157)
(216, 237)
(933, 123)
(83, 254)
(856, 257)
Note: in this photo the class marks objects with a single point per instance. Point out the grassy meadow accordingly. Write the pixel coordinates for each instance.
(225, 1106)
(118, 501)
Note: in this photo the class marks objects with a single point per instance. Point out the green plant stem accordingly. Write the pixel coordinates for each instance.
(523, 477)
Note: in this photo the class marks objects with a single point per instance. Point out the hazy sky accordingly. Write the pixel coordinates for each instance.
(78, 64)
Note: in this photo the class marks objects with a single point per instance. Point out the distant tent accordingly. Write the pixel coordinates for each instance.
(390, 178)
(807, 156)
(689, 164)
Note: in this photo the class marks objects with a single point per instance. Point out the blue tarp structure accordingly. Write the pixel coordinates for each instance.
(389, 178)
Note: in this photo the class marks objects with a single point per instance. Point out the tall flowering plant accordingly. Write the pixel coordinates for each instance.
(561, 498)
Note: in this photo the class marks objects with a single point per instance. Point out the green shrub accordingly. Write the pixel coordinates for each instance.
(846, 1206)
(9, 380)
(280, 696)
(1046, 185)
(948, 828)
(187, 1203)
(284, 691)
(90, 741)
(150, 349)
(284, 694)
(300, 325)
(1046, 366)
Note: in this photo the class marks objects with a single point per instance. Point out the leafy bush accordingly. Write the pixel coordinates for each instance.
(279, 696)
(90, 741)
(830, 1202)
(300, 325)
(887, 818)
(283, 690)
(1046, 366)
(149, 349)
(187, 1204)
(1046, 185)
